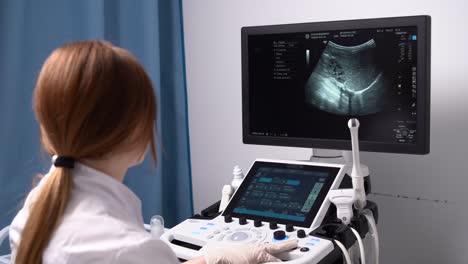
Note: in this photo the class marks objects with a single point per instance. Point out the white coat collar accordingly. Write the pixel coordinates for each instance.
(117, 198)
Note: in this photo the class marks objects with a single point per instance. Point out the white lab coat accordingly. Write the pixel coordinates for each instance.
(101, 224)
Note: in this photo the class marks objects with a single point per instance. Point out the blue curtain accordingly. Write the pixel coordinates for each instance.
(152, 31)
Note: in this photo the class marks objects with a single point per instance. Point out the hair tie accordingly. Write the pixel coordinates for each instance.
(64, 162)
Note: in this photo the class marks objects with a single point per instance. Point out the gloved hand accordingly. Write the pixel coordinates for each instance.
(248, 254)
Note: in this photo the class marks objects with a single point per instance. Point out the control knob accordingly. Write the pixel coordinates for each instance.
(273, 225)
(279, 235)
(301, 233)
(227, 218)
(242, 221)
(257, 223)
(289, 227)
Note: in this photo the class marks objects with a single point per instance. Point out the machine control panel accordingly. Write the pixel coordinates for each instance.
(277, 201)
(207, 234)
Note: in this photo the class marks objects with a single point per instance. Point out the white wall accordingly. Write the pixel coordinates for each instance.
(413, 231)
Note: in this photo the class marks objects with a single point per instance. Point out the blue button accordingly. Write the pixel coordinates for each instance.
(211, 224)
(277, 240)
(315, 240)
(310, 244)
(203, 228)
(196, 233)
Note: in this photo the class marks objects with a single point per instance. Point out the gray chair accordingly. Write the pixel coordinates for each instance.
(5, 259)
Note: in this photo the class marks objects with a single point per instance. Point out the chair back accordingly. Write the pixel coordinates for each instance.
(3, 237)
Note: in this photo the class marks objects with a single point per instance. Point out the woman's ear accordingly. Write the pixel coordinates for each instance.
(140, 157)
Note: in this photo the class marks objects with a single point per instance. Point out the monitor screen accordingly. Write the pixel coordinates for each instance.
(303, 82)
(282, 192)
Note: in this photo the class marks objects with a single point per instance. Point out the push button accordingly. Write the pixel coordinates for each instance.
(304, 249)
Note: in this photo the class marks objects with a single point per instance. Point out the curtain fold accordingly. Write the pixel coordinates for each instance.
(152, 31)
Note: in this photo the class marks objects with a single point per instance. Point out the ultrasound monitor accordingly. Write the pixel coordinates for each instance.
(303, 82)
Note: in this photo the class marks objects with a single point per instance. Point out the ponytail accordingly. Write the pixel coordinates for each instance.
(46, 211)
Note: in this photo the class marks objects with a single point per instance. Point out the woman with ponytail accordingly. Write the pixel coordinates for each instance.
(96, 110)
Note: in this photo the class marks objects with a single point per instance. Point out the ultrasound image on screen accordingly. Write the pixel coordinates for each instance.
(308, 84)
(347, 80)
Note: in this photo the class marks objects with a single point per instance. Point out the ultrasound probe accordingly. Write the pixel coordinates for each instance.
(357, 174)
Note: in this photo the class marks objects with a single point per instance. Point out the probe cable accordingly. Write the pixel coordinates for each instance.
(370, 219)
(344, 251)
(361, 245)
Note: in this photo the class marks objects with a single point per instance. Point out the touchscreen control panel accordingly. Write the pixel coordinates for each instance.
(289, 194)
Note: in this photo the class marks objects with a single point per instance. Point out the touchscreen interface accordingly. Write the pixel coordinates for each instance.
(288, 193)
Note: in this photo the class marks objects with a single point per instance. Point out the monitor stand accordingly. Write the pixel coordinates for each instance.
(331, 156)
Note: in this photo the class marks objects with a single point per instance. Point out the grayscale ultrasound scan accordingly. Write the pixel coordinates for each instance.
(347, 80)
(308, 84)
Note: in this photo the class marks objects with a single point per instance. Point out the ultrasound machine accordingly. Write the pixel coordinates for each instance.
(316, 85)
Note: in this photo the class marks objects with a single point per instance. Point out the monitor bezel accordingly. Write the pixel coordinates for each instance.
(422, 146)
